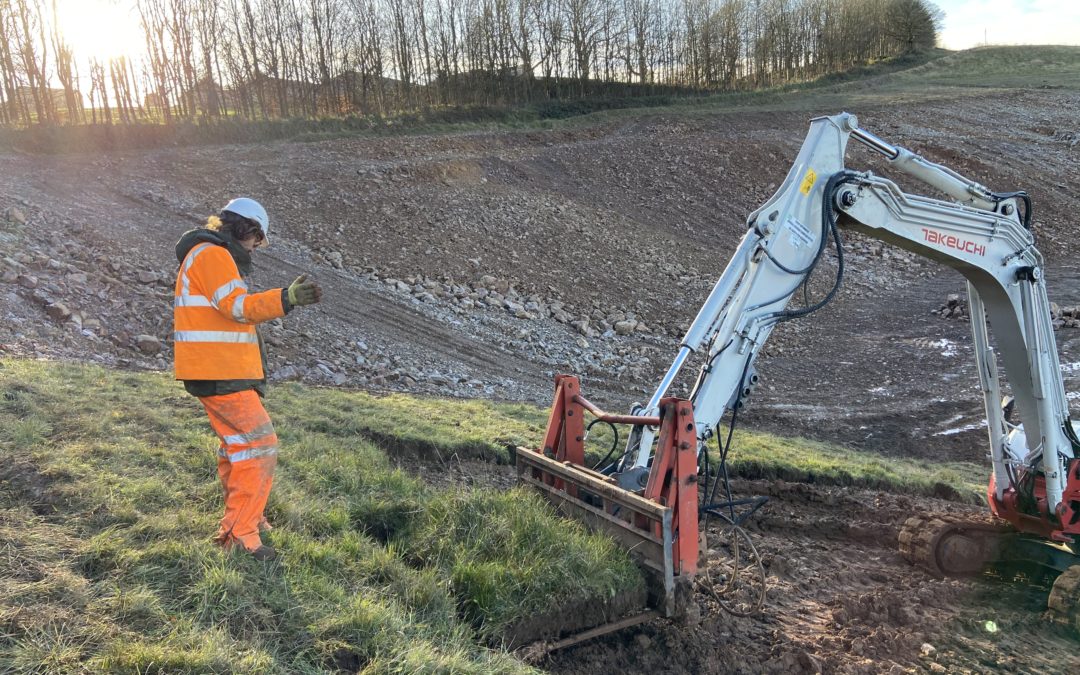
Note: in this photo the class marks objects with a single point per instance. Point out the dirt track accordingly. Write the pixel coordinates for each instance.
(635, 216)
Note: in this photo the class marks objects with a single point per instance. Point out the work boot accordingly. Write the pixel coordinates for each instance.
(264, 553)
(265, 526)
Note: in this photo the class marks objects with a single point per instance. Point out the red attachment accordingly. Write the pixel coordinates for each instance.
(1069, 509)
(673, 479)
(672, 476)
(565, 436)
(564, 440)
(1033, 516)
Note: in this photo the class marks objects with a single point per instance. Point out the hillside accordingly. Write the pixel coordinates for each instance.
(472, 264)
(481, 263)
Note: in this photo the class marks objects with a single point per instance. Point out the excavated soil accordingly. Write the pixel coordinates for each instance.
(479, 264)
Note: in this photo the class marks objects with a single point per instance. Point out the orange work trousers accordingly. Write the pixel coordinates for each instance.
(246, 461)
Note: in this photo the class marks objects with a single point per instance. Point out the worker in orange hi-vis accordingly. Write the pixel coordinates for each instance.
(221, 360)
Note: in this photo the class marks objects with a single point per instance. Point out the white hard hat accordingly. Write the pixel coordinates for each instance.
(252, 210)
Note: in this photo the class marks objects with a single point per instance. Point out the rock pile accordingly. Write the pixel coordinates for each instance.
(490, 293)
(955, 307)
(1064, 317)
(64, 294)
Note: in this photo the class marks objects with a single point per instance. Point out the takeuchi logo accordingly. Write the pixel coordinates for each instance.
(953, 242)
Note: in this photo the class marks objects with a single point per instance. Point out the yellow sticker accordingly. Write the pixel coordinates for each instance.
(808, 182)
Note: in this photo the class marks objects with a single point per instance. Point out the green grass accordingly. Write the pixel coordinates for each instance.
(429, 427)
(442, 428)
(766, 456)
(108, 497)
(496, 551)
(1023, 67)
(756, 455)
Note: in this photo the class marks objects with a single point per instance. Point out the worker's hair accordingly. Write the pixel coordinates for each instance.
(238, 226)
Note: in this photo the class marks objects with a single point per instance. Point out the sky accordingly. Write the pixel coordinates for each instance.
(102, 28)
(970, 23)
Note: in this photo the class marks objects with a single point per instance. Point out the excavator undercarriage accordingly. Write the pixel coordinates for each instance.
(957, 546)
(952, 546)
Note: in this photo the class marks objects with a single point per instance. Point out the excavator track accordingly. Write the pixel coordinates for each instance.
(949, 545)
(1063, 605)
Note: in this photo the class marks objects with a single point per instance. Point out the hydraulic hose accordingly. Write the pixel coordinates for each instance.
(828, 217)
(614, 442)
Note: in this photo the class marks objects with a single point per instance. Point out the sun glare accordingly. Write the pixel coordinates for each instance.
(101, 29)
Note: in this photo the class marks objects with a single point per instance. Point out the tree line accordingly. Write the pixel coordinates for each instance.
(206, 60)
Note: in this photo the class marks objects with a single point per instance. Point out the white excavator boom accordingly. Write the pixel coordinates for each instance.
(980, 234)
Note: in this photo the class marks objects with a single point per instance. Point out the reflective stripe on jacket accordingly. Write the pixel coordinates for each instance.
(214, 318)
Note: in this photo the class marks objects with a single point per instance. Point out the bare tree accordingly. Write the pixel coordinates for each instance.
(583, 22)
(640, 38)
(366, 55)
(401, 48)
(207, 14)
(11, 111)
(266, 59)
(152, 16)
(99, 93)
(65, 70)
(914, 24)
(33, 57)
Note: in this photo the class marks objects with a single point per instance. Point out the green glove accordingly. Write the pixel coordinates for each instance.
(304, 292)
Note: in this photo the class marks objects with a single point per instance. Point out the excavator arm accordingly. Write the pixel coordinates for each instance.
(980, 234)
(649, 498)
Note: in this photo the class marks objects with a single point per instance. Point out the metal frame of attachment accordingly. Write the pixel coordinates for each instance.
(659, 526)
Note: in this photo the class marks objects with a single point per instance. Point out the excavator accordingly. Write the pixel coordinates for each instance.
(649, 499)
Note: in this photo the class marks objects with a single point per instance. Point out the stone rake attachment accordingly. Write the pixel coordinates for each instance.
(659, 526)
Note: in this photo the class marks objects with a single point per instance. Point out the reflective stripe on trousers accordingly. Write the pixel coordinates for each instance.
(246, 463)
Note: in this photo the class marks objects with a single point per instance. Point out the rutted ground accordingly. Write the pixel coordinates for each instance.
(479, 264)
(842, 600)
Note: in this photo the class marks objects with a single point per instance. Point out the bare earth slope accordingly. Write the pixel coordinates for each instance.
(481, 263)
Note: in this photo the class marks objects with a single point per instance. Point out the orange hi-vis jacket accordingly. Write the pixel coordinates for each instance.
(214, 318)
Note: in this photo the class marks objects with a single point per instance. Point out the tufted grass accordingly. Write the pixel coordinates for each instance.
(108, 499)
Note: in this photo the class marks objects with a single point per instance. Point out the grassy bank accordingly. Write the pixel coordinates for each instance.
(108, 496)
(437, 429)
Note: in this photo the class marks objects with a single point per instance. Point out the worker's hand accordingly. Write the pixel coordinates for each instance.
(304, 292)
